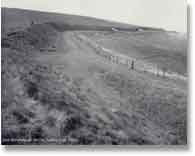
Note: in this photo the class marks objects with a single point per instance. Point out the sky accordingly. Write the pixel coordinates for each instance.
(167, 14)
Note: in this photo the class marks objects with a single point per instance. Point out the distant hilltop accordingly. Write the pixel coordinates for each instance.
(13, 18)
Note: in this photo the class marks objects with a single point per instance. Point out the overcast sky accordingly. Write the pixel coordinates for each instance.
(167, 14)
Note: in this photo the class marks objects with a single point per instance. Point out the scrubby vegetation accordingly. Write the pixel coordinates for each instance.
(41, 103)
(78, 98)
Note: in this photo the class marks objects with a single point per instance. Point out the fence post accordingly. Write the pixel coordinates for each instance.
(132, 65)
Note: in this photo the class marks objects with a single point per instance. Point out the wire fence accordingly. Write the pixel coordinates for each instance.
(131, 63)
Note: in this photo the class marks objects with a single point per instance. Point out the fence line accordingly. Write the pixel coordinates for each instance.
(130, 62)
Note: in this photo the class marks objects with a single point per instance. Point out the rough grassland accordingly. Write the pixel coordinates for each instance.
(72, 96)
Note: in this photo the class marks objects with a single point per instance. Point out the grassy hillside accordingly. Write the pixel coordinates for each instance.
(163, 49)
(70, 95)
(14, 19)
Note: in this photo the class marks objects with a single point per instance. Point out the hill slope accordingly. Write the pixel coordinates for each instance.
(58, 90)
(19, 18)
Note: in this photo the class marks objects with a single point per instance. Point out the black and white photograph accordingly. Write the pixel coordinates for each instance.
(94, 72)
